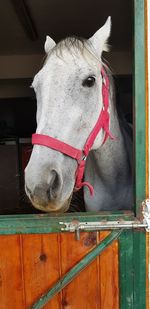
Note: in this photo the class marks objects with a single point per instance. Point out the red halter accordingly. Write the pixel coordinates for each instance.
(81, 155)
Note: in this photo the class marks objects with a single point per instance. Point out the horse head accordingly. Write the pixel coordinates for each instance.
(69, 100)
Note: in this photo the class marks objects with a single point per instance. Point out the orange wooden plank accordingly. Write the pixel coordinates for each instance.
(109, 275)
(11, 281)
(30, 264)
(41, 267)
(83, 291)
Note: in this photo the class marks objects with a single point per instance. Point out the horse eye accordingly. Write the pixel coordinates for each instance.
(89, 82)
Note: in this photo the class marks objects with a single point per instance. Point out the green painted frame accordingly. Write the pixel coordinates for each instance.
(132, 264)
(41, 223)
(140, 103)
(132, 244)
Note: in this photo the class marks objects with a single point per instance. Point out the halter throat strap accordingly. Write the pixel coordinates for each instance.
(75, 153)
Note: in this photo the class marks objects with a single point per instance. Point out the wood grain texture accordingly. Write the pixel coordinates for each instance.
(11, 278)
(83, 291)
(40, 266)
(31, 264)
(109, 282)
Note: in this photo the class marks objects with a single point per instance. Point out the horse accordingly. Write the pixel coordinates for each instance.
(70, 103)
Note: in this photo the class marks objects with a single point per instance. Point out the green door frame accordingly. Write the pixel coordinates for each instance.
(47, 223)
(140, 103)
(133, 261)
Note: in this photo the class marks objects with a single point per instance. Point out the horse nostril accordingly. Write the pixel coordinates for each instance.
(55, 185)
(47, 190)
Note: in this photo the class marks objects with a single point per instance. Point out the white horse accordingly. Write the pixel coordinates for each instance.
(69, 101)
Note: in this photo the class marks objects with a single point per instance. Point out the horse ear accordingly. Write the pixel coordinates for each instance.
(49, 44)
(100, 38)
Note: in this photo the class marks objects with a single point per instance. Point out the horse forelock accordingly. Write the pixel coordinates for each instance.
(72, 43)
(75, 44)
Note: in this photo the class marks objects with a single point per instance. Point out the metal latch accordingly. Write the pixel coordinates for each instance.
(146, 214)
(76, 226)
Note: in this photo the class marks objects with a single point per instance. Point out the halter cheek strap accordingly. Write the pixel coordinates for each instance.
(81, 155)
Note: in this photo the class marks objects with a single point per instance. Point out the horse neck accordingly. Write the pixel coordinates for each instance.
(113, 157)
(109, 170)
(112, 149)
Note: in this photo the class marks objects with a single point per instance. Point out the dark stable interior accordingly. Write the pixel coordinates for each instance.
(18, 114)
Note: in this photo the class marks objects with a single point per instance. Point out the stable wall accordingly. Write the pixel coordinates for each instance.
(17, 69)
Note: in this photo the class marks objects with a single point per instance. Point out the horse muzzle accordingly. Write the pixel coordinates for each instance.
(46, 189)
(41, 200)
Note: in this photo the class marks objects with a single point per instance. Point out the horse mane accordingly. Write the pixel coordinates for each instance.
(72, 42)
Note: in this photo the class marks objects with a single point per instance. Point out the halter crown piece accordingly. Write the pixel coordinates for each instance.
(81, 155)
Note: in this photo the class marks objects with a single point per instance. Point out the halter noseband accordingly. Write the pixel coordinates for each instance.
(81, 155)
